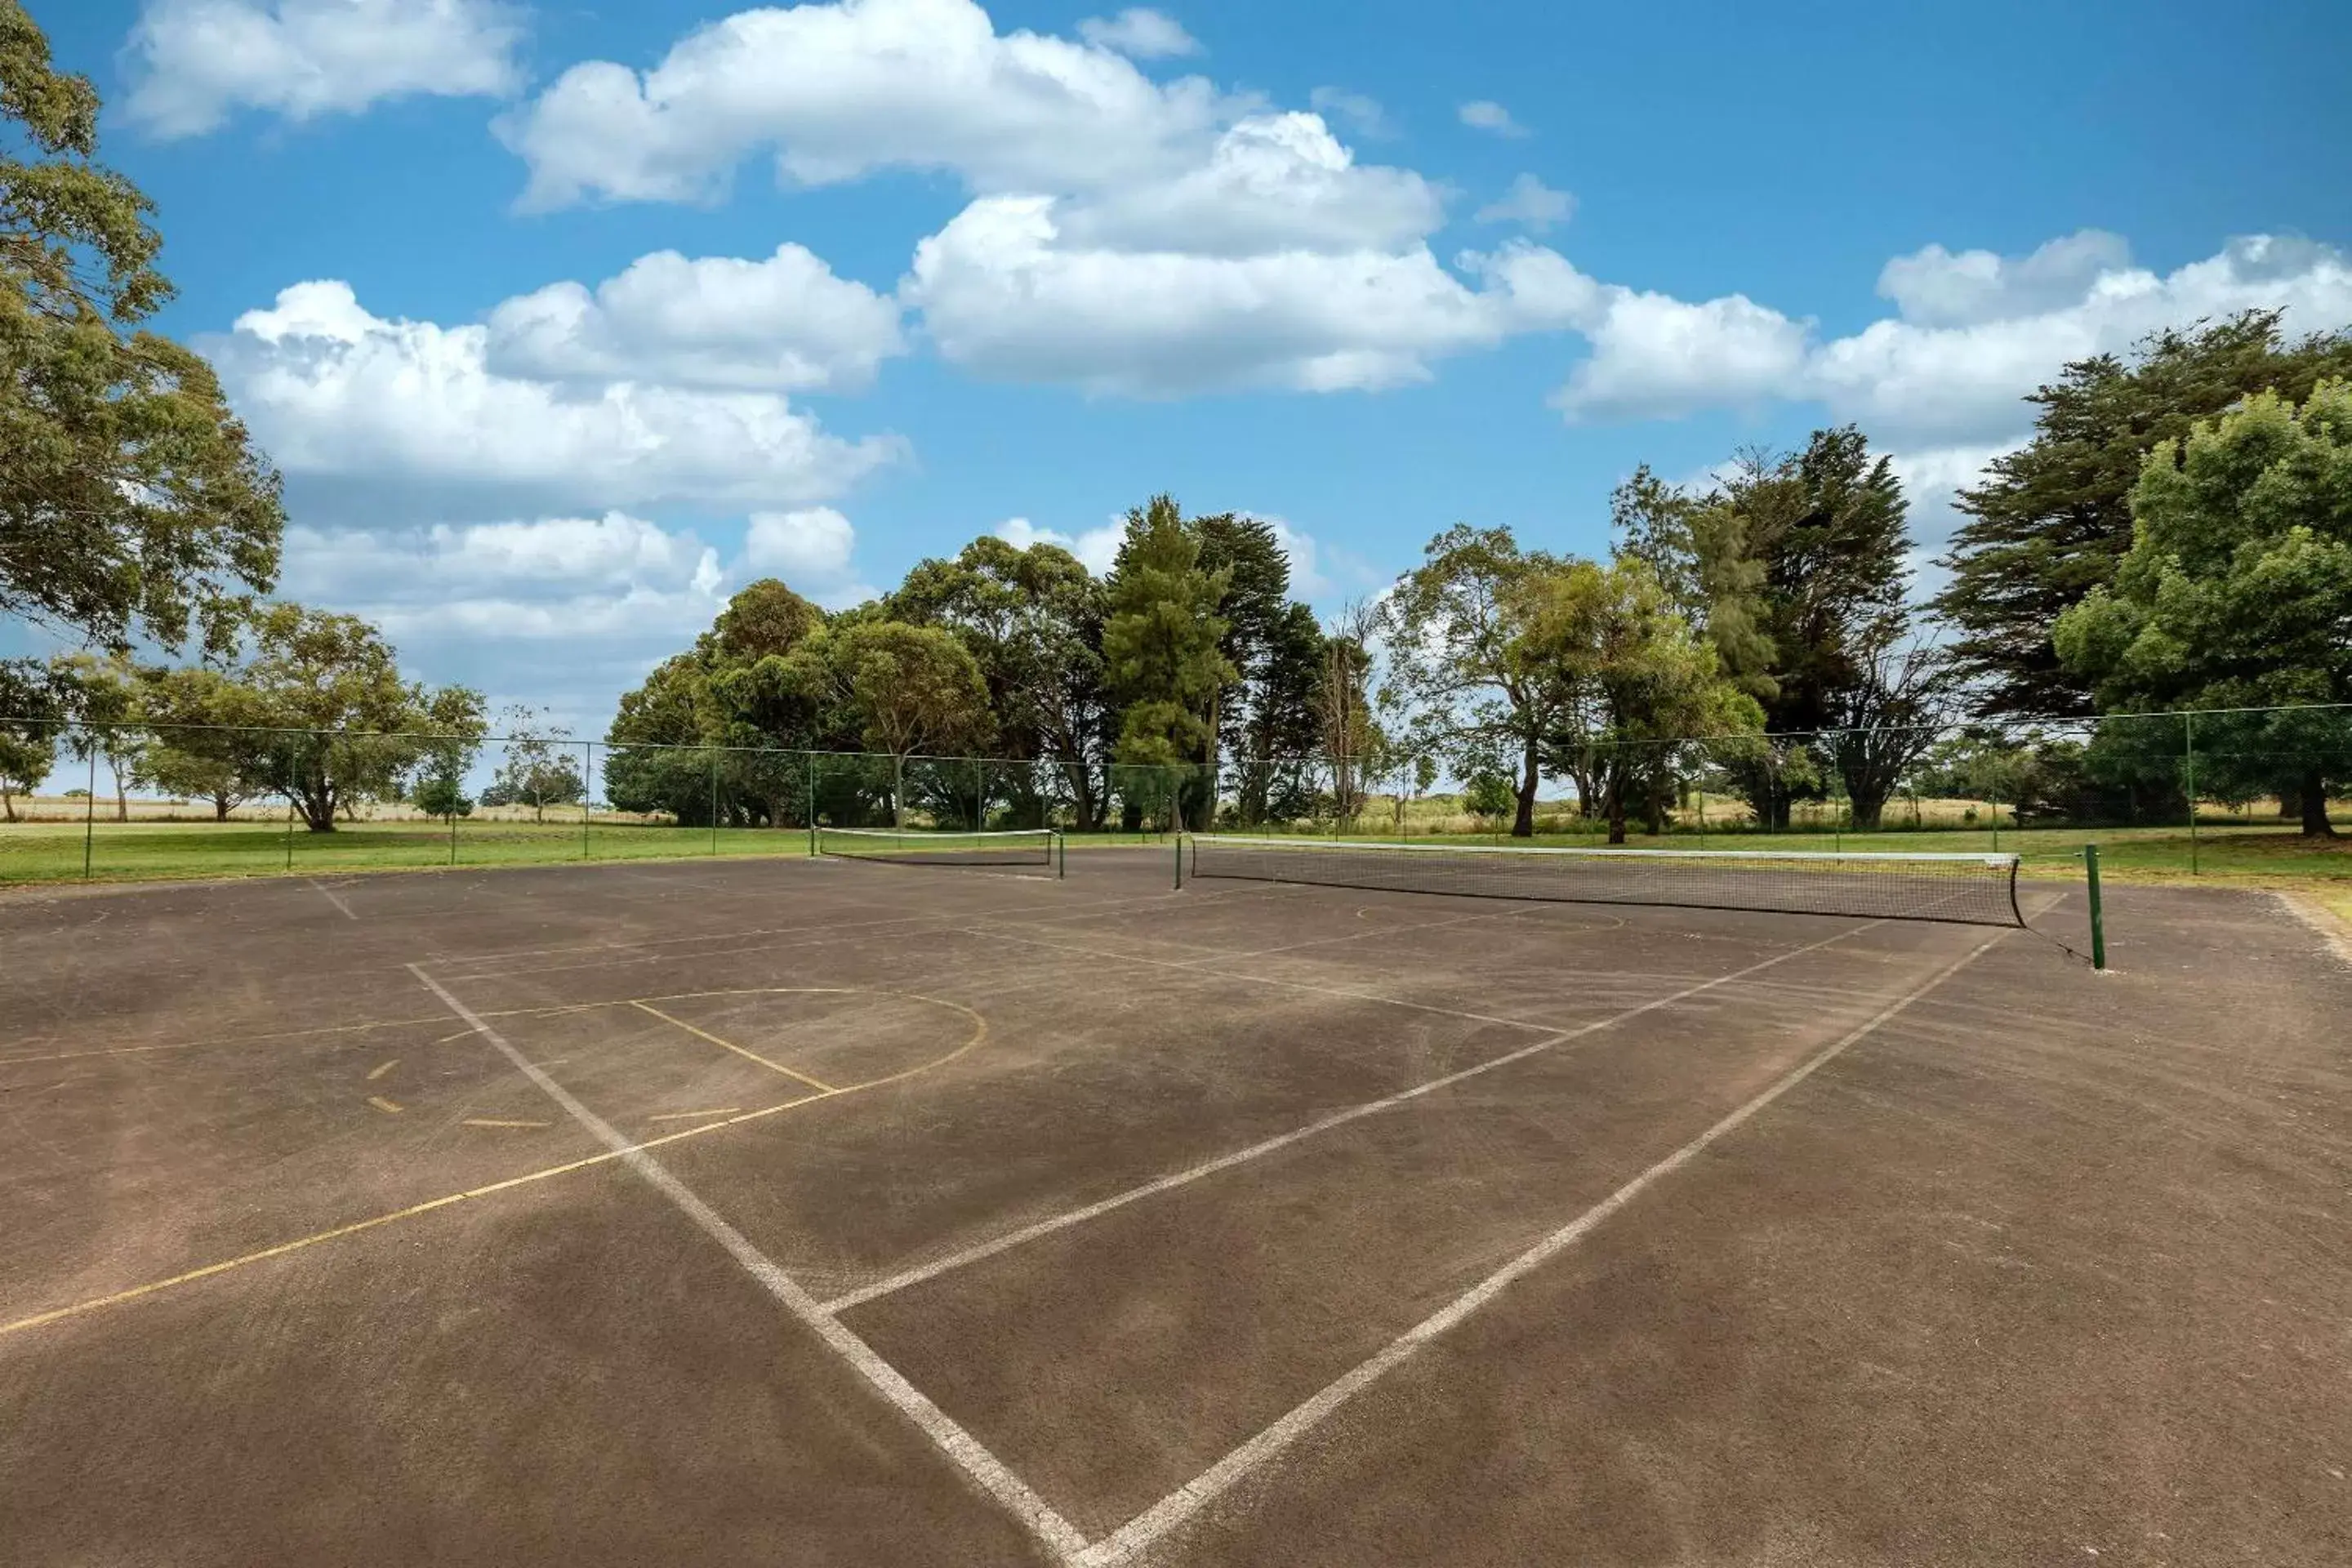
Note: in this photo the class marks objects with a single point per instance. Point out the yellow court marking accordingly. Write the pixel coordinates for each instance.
(488, 1121)
(696, 1115)
(298, 1034)
(731, 1045)
(381, 1103)
(971, 1042)
(382, 1068)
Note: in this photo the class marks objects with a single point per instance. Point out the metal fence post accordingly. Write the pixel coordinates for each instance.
(587, 772)
(2189, 761)
(90, 810)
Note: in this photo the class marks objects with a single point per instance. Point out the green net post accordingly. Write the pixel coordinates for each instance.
(1061, 855)
(1180, 862)
(2099, 917)
(587, 770)
(2188, 782)
(808, 796)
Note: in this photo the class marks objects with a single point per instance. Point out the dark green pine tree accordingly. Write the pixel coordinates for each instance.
(2053, 519)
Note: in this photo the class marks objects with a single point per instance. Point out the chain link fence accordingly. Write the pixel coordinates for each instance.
(95, 801)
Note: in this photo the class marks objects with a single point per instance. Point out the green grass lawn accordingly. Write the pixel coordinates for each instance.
(143, 851)
(53, 852)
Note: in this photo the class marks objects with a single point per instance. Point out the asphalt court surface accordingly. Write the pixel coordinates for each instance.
(818, 1212)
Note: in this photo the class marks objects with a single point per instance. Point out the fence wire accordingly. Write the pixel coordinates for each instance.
(115, 800)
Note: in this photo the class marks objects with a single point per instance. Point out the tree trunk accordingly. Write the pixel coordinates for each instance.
(7, 802)
(2314, 806)
(1616, 792)
(1868, 809)
(1523, 826)
(220, 808)
(121, 798)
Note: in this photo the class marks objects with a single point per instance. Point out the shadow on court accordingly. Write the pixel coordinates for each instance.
(831, 1213)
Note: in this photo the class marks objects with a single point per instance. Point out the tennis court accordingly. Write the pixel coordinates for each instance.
(980, 1203)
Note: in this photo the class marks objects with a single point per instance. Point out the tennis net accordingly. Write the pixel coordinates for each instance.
(1038, 846)
(1974, 890)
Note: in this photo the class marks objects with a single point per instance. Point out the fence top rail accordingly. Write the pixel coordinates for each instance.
(1402, 847)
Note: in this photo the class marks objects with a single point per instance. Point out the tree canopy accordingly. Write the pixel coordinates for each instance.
(131, 505)
(2237, 594)
(2053, 520)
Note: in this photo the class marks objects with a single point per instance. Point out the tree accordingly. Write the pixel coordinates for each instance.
(341, 725)
(130, 504)
(1460, 658)
(1697, 547)
(204, 743)
(1162, 641)
(30, 717)
(730, 690)
(1281, 723)
(104, 696)
(1257, 612)
(1489, 795)
(908, 689)
(1827, 527)
(2053, 520)
(539, 768)
(1033, 621)
(1886, 719)
(1646, 680)
(2237, 594)
(1351, 736)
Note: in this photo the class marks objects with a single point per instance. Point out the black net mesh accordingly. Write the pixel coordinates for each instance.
(1975, 890)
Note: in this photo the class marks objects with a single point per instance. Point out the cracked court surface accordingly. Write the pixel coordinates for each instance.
(823, 1213)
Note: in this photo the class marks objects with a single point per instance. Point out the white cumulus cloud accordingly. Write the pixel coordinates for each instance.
(1357, 112)
(1273, 183)
(385, 408)
(1530, 204)
(1486, 114)
(192, 63)
(811, 549)
(1096, 548)
(1140, 33)
(1007, 294)
(1973, 335)
(785, 323)
(835, 91)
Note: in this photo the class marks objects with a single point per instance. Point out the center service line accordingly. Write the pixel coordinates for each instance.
(976, 1461)
(1181, 1504)
(1550, 1039)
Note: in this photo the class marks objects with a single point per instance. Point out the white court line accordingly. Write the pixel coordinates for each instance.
(976, 1461)
(1554, 1037)
(1181, 1504)
(329, 894)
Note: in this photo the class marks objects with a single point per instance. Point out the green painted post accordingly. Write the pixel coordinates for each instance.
(2189, 735)
(1180, 862)
(2098, 916)
(587, 772)
(1061, 855)
(89, 811)
(289, 835)
(809, 793)
(453, 838)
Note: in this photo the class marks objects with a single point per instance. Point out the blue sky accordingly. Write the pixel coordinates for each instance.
(500, 288)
